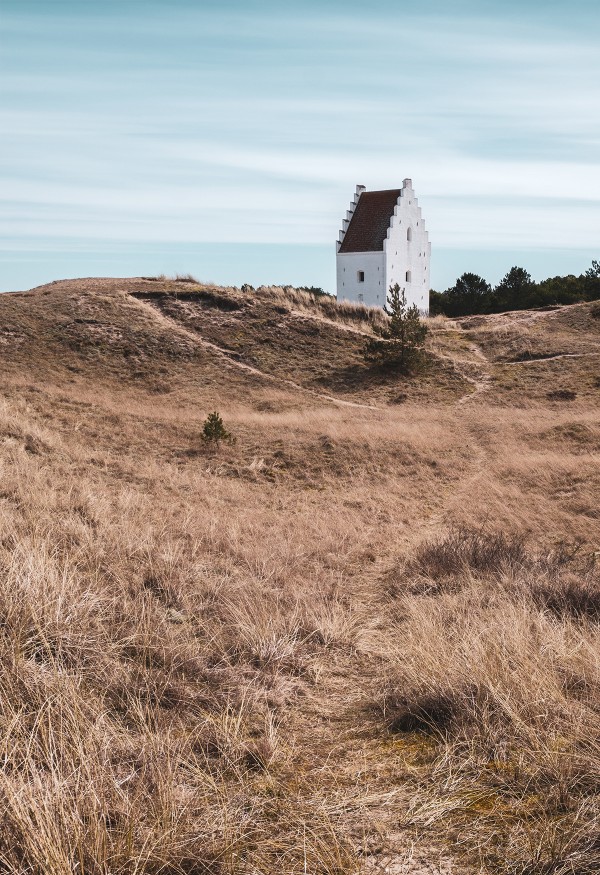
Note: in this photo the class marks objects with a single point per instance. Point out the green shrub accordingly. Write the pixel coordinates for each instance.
(400, 341)
(213, 430)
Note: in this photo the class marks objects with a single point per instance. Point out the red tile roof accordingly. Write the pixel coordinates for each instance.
(371, 219)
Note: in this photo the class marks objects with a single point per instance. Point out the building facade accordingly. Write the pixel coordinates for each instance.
(384, 241)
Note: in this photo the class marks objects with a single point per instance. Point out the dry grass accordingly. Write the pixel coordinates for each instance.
(145, 670)
(501, 668)
(345, 312)
(355, 629)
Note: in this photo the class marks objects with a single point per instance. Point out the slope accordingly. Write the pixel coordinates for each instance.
(322, 648)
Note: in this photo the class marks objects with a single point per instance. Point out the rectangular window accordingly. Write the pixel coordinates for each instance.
(361, 298)
(360, 276)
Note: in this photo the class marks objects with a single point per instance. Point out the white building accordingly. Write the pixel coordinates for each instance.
(383, 241)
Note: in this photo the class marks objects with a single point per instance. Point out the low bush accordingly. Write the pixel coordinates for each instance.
(561, 395)
(569, 595)
(464, 549)
(428, 712)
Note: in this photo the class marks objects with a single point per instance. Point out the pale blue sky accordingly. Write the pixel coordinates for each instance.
(226, 138)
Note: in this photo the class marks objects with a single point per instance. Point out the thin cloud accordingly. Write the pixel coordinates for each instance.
(254, 123)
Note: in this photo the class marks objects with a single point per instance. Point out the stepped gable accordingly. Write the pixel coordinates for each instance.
(370, 221)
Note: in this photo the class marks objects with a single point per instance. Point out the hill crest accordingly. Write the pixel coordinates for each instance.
(165, 334)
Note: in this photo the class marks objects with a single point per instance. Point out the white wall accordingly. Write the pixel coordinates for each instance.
(373, 289)
(404, 256)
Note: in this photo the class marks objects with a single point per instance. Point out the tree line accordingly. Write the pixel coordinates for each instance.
(472, 294)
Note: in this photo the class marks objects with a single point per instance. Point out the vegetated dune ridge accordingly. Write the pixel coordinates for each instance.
(362, 638)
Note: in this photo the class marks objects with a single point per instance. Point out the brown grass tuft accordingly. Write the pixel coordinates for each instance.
(465, 549)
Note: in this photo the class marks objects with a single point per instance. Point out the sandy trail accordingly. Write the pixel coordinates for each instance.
(551, 358)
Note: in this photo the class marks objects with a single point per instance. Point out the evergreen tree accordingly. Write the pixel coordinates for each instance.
(400, 342)
(213, 430)
(470, 294)
(514, 290)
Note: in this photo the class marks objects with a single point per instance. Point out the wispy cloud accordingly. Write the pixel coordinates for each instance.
(238, 122)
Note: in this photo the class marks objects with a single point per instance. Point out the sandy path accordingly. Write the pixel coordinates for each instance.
(373, 804)
(551, 358)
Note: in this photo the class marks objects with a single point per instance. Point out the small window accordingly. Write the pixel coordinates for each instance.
(408, 279)
(360, 276)
(409, 234)
(361, 298)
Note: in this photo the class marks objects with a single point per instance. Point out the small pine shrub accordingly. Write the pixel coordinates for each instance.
(400, 341)
(213, 430)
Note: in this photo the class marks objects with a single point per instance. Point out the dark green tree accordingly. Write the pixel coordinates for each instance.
(514, 291)
(559, 290)
(399, 343)
(470, 294)
(213, 430)
(591, 282)
(437, 303)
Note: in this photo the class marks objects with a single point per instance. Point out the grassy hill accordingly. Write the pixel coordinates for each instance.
(364, 635)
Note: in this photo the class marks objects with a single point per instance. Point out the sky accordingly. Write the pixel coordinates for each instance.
(225, 139)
